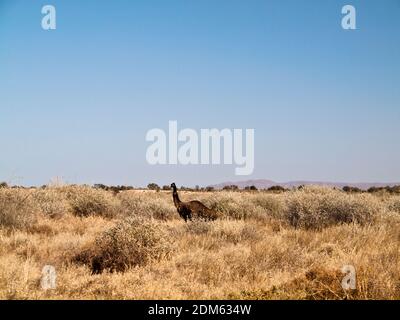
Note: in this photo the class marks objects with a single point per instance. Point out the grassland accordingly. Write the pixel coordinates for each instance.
(133, 245)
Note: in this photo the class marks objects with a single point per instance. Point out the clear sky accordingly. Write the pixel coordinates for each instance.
(76, 102)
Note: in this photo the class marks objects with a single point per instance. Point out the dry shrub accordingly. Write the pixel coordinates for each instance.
(51, 202)
(86, 201)
(17, 209)
(393, 204)
(133, 242)
(273, 204)
(234, 205)
(146, 205)
(259, 206)
(319, 207)
(227, 204)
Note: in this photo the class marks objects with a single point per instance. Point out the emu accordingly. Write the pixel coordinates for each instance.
(186, 210)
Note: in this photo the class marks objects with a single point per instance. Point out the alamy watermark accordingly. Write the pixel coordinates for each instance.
(49, 276)
(349, 20)
(349, 280)
(49, 21)
(187, 146)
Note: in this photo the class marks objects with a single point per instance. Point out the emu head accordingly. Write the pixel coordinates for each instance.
(173, 186)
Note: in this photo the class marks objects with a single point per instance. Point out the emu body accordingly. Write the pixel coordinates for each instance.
(188, 210)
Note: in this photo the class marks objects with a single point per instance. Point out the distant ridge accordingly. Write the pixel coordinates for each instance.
(265, 184)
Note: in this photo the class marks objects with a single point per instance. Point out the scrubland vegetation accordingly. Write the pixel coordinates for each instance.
(132, 244)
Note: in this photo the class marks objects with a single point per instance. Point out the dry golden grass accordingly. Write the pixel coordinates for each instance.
(265, 246)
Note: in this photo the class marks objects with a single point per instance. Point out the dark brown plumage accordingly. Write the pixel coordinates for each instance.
(188, 210)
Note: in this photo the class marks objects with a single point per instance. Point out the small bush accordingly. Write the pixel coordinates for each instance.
(231, 188)
(276, 189)
(17, 209)
(133, 242)
(153, 186)
(250, 188)
(351, 189)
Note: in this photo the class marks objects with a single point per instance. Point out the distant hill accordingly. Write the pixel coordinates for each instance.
(265, 184)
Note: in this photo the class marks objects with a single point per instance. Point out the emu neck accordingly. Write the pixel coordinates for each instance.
(175, 196)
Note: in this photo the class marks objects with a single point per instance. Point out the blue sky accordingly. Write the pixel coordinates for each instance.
(77, 102)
